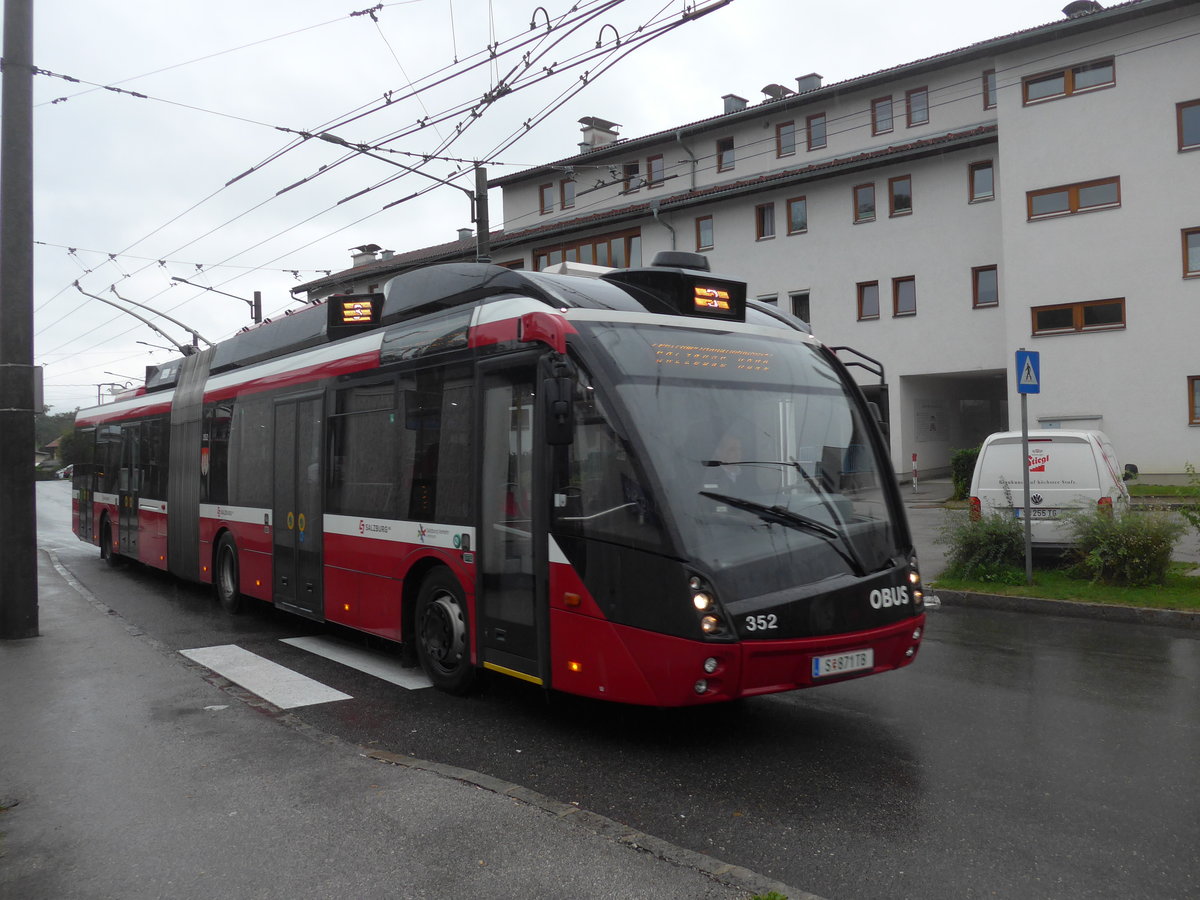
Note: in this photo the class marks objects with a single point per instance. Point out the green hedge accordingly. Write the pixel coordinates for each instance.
(962, 467)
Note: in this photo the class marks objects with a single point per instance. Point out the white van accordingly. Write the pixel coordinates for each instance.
(1067, 470)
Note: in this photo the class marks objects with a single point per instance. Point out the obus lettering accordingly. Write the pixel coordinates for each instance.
(893, 596)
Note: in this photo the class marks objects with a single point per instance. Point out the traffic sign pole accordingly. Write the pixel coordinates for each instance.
(1029, 381)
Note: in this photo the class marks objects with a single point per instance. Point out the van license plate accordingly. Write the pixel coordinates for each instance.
(842, 663)
(1038, 513)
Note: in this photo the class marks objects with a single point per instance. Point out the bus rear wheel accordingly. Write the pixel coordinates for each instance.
(442, 635)
(225, 576)
(110, 556)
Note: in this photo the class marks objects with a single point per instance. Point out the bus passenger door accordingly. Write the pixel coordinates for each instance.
(128, 476)
(297, 512)
(511, 589)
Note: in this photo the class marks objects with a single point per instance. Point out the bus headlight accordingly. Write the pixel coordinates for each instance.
(701, 601)
(710, 624)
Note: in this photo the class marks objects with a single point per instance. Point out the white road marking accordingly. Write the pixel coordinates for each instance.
(271, 681)
(356, 658)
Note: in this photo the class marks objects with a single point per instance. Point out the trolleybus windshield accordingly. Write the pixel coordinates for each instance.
(757, 448)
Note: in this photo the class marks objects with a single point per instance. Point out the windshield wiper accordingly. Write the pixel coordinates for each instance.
(782, 516)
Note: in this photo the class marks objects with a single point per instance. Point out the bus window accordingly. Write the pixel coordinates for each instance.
(108, 458)
(153, 457)
(252, 444)
(435, 447)
(214, 454)
(598, 489)
(363, 457)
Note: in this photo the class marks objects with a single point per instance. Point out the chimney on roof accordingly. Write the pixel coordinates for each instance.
(360, 256)
(465, 234)
(597, 133)
(809, 82)
(734, 103)
(1081, 8)
(777, 91)
(387, 254)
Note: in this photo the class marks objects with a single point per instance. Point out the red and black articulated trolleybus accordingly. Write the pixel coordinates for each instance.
(637, 487)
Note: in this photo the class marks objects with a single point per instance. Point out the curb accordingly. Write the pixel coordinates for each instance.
(1134, 615)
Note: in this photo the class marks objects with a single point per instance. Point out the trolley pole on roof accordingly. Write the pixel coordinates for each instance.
(18, 519)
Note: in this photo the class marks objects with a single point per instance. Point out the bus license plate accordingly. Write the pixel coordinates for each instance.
(1038, 513)
(843, 663)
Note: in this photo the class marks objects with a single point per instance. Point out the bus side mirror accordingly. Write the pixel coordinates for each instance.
(558, 408)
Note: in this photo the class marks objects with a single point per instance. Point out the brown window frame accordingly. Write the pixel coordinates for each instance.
(791, 201)
(712, 232)
(631, 177)
(1073, 191)
(908, 106)
(1184, 235)
(854, 203)
(972, 196)
(896, 282)
(1068, 75)
(652, 180)
(892, 211)
(1077, 316)
(808, 129)
(562, 193)
(779, 132)
(860, 287)
(1194, 399)
(875, 126)
(764, 221)
(976, 303)
(1179, 108)
(571, 251)
(726, 148)
(989, 88)
(546, 199)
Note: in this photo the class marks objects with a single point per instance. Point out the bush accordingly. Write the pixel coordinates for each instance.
(1131, 551)
(1191, 513)
(991, 549)
(962, 467)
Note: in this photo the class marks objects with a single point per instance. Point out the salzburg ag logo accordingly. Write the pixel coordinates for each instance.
(362, 527)
(421, 532)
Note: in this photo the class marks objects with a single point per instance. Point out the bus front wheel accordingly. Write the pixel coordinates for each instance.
(225, 576)
(441, 633)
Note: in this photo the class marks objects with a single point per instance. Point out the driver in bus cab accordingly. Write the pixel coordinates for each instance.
(723, 477)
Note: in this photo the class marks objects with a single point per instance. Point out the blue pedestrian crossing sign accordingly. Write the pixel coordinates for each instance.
(1029, 372)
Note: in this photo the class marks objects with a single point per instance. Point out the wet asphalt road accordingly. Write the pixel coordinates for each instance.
(1019, 756)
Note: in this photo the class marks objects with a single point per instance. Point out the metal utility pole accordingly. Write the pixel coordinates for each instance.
(18, 512)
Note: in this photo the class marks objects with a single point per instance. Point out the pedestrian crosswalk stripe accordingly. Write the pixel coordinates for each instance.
(271, 681)
(364, 661)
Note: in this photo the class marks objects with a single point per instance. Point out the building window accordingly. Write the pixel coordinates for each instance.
(655, 171)
(900, 195)
(724, 154)
(546, 198)
(800, 305)
(631, 178)
(1065, 318)
(904, 296)
(566, 193)
(797, 213)
(868, 300)
(1188, 117)
(982, 182)
(1069, 199)
(881, 115)
(1194, 400)
(620, 249)
(764, 221)
(816, 131)
(989, 89)
(985, 286)
(785, 139)
(704, 233)
(1064, 82)
(864, 203)
(1191, 253)
(916, 103)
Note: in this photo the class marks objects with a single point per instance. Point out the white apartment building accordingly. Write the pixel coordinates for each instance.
(1039, 190)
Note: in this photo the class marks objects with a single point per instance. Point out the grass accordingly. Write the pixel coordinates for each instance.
(1182, 591)
(1163, 490)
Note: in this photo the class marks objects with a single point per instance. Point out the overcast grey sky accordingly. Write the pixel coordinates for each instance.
(131, 190)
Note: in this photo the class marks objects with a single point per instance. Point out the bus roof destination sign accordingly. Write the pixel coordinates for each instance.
(352, 313)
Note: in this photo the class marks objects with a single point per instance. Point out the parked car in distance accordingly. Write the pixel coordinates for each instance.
(65, 472)
(1068, 470)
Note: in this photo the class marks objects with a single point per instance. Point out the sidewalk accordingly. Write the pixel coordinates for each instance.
(125, 774)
